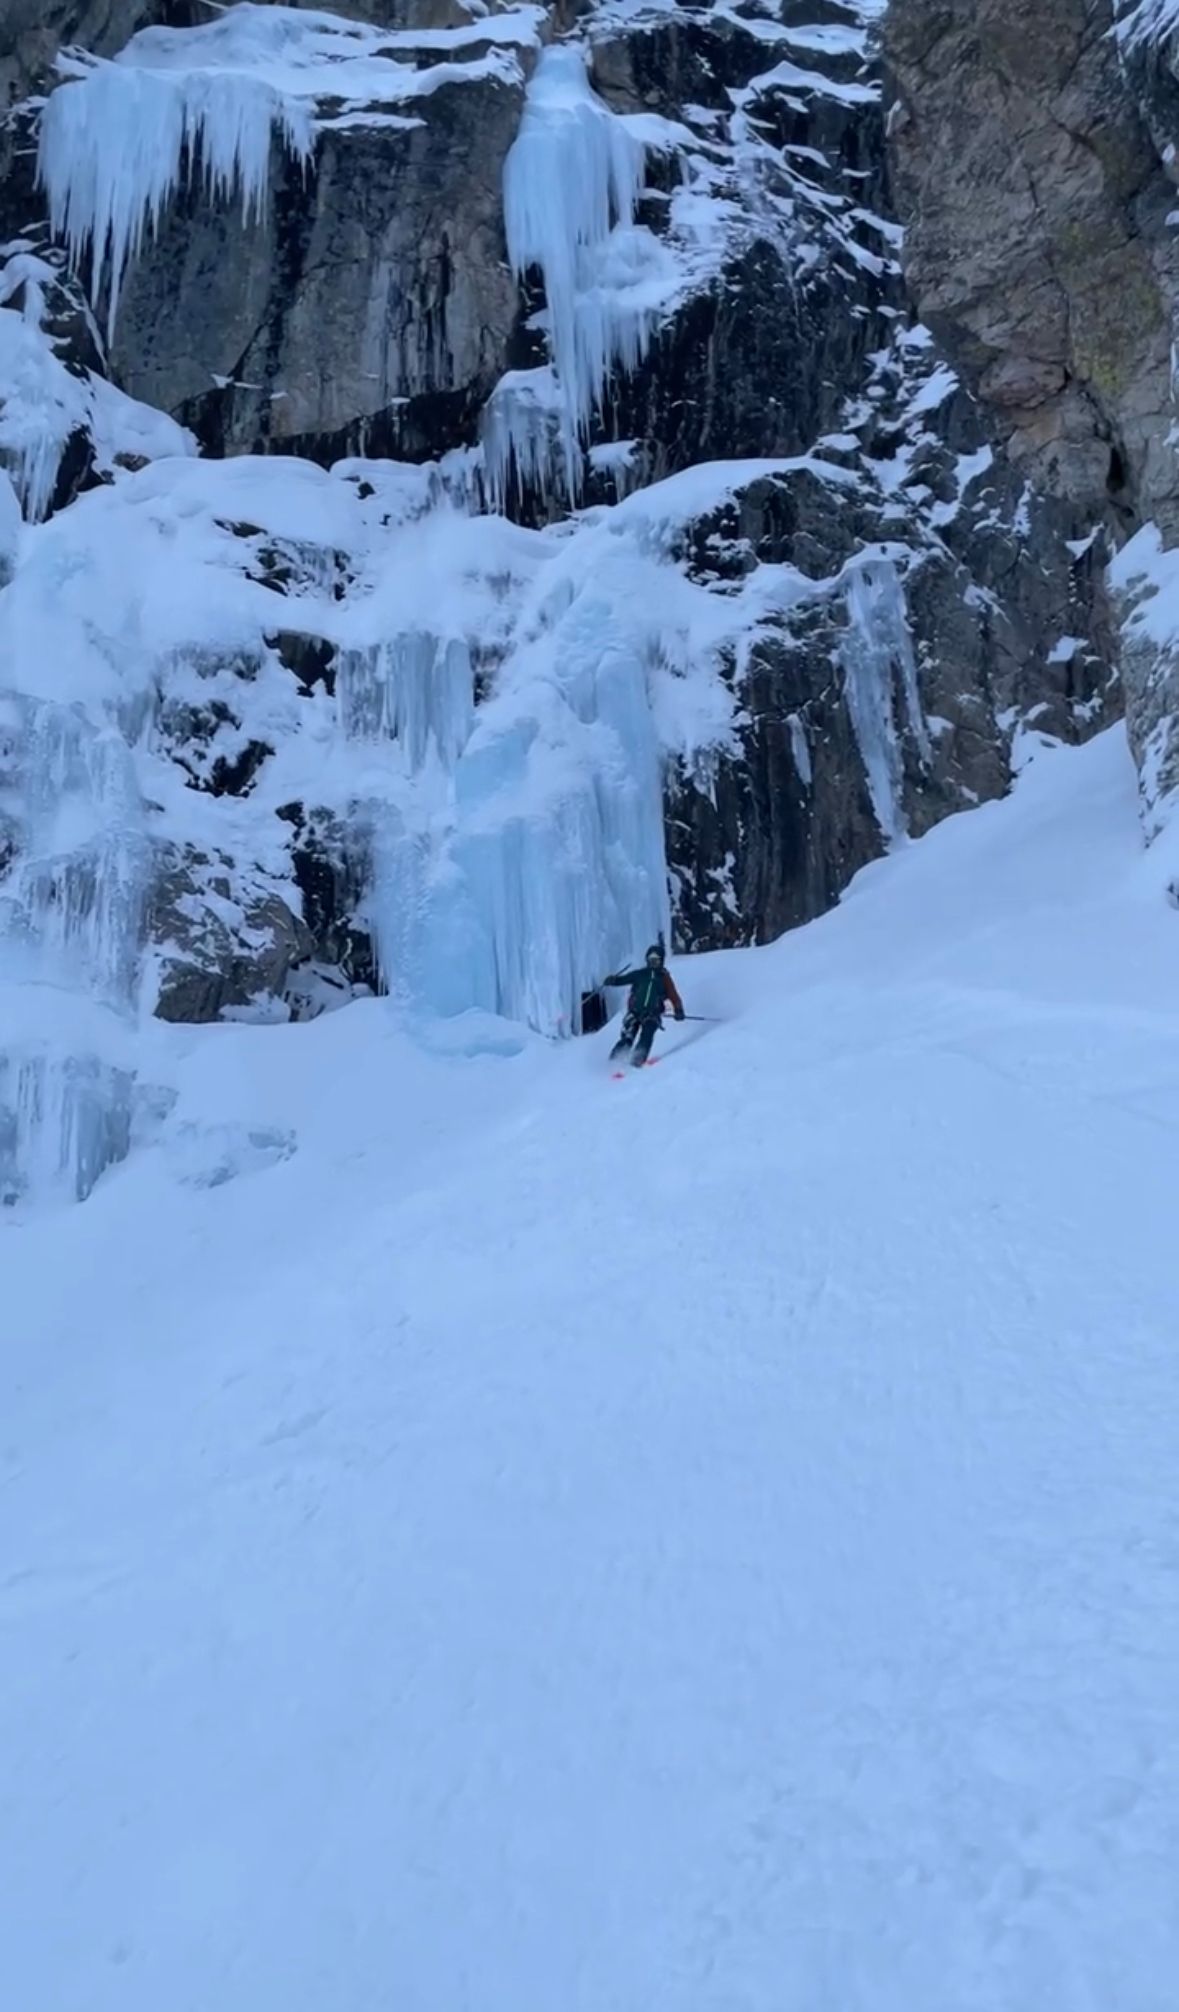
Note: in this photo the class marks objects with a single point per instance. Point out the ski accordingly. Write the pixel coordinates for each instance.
(632, 1068)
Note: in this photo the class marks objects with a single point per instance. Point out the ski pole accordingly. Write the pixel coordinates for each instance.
(709, 1019)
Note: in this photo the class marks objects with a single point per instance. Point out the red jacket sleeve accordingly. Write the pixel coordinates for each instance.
(672, 994)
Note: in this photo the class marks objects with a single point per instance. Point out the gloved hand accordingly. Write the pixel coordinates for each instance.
(679, 1012)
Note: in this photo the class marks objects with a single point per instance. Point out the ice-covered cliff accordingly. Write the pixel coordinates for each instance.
(482, 495)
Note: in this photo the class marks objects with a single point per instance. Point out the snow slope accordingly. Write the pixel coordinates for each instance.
(696, 1543)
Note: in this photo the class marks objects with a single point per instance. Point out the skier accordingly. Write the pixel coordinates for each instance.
(651, 990)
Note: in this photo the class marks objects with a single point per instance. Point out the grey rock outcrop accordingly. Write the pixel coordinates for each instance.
(221, 943)
(1033, 155)
(1037, 245)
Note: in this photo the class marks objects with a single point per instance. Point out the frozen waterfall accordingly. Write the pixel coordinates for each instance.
(572, 181)
(518, 849)
(879, 668)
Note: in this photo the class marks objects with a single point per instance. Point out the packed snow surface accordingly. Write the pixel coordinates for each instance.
(705, 1540)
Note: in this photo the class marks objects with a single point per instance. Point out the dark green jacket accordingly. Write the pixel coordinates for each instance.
(650, 991)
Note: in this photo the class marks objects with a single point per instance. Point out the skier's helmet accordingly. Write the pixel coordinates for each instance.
(654, 956)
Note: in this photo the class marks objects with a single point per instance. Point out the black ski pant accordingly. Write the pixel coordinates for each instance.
(636, 1034)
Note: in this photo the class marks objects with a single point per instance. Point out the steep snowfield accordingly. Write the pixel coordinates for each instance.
(705, 1543)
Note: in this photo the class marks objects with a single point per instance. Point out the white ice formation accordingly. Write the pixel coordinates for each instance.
(571, 187)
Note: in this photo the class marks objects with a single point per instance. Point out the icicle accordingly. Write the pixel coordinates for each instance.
(10, 534)
(63, 1120)
(571, 182)
(71, 905)
(71, 913)
(876, 653)
(117, 142)
(416, 689)
(524, 437)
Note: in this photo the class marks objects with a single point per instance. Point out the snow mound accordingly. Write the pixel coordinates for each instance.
(207, 1156)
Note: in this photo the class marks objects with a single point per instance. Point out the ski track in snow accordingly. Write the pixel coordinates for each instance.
(706, 1545)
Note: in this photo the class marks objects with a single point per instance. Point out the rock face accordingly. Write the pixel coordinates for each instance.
(223, 945)
(1033, 155)
(1037, 244)
(888, 529)
(1007, 622)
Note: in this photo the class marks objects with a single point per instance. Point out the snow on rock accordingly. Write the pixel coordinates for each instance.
(207, 1156)
(41, 405)
(1145, 577)
(789, 77)
(45, 404)
(1140, 22)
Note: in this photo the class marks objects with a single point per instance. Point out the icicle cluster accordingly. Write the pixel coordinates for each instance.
(118, 141)
(71, 910)
(523, 437)
(416, 689)
(63, 1120)
(571, 184)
